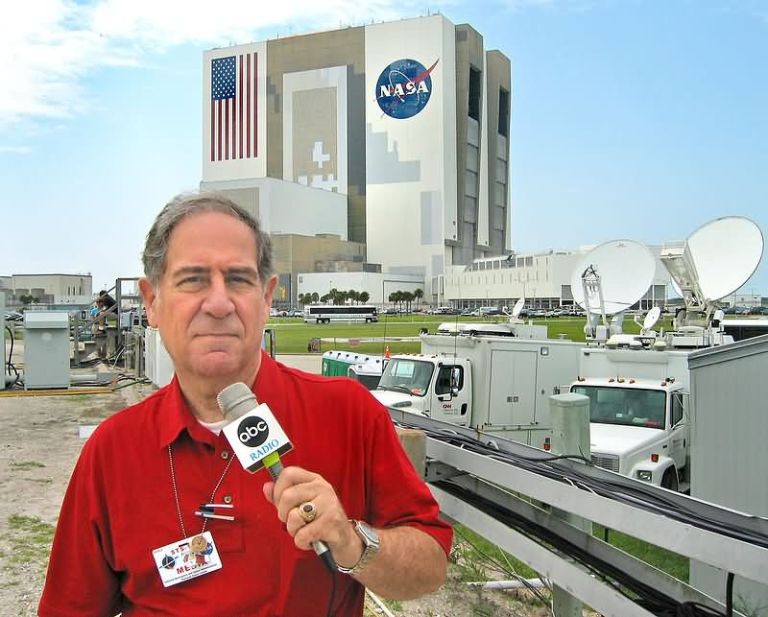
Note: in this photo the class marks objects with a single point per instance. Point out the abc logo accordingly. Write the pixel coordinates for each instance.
(253, 431)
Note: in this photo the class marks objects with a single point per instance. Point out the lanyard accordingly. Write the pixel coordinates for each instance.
(176, 491)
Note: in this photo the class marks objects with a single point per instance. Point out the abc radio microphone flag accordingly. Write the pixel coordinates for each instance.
(252, 430)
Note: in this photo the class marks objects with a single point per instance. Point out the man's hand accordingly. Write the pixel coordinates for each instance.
(393, 573)
(331, 525)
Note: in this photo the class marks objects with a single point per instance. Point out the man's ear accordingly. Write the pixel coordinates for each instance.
(269, 292)
(149, 295)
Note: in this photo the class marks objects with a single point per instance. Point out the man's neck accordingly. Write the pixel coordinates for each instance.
(201, 393)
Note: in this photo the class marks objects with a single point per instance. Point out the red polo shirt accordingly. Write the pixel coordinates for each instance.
(120, 505)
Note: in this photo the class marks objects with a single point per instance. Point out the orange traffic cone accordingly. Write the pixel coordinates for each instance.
(386, 352)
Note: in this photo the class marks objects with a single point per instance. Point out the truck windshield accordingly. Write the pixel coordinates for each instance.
(409, 376)
(632, 407)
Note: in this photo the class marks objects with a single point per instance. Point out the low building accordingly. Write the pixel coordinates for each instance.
(543, 279)
(295, 254)
(49, 288)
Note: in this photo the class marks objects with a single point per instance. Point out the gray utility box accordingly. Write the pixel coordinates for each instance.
(46, 349)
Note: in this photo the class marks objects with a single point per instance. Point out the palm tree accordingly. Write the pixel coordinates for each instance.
(408, 298)
(418, 294)
(364, 297)
(315, 296)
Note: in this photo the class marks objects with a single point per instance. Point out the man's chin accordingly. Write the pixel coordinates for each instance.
(219, 366)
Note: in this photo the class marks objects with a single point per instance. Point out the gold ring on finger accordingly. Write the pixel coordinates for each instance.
(308, 511)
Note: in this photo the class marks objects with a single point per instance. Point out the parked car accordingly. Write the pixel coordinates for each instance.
(13, 316)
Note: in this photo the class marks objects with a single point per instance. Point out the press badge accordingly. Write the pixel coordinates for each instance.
(187, 559)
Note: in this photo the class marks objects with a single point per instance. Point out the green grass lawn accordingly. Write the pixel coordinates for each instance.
(293, 335)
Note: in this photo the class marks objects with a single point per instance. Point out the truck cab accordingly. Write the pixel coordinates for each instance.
(638, 427)
(432, 386)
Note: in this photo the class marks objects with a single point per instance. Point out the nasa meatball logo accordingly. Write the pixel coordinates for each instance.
(404, 88)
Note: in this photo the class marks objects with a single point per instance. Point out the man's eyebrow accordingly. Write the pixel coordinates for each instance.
(244, 270)
(186, 270)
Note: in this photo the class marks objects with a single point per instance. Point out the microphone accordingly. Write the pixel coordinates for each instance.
(258, 441)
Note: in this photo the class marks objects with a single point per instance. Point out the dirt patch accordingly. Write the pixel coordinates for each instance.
(39, 444)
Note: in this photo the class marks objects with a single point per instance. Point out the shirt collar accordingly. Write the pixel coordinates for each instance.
(175, 416)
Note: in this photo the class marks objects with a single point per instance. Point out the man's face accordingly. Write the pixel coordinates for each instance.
(210, 305)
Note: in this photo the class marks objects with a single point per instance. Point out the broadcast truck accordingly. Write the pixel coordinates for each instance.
(490, 378)
(639, 416)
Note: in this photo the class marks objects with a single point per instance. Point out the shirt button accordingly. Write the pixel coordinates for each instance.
(227, 498)
(224, 454)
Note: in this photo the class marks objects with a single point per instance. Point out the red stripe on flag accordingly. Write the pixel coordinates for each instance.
(226, 129)
(240, 109)
(213, 130)
(234, 118)
(256, 105)
(218, 129)
(248, 106)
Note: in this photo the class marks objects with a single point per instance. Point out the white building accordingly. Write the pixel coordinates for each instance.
(543, 279)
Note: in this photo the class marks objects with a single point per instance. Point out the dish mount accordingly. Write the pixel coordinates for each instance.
(715, 261)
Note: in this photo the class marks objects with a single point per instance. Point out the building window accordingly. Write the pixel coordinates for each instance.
(503, 112)
(475, 93)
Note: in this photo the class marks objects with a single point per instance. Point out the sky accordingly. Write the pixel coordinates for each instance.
(640, 119)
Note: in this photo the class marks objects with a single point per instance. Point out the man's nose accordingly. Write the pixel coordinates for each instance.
(217, 302)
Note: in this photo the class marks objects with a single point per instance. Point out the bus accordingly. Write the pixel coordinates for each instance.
(326, 313)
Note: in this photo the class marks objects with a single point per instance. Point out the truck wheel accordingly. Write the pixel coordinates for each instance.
(669, 480)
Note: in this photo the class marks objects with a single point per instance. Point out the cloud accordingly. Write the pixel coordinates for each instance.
(50, 46)
(15, 149)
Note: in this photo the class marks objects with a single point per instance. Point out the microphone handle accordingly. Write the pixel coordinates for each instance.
(320, 547)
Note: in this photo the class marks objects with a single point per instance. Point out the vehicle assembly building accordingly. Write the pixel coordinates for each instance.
(392, 135)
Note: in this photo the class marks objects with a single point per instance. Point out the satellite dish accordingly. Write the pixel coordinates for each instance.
(651, 318)
(518, 307)
(626, 269)
(726, 253)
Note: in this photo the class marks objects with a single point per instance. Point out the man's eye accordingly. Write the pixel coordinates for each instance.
(237, 279)
(190, 280)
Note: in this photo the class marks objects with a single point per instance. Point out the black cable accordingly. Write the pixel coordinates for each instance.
(8, 365)
(333, 594)
(549, 466)
(729, 594)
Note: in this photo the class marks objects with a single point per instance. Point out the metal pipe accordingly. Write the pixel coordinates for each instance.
(513, 584)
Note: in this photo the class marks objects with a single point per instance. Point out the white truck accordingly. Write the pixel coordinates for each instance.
(639, 417)
(487, 381)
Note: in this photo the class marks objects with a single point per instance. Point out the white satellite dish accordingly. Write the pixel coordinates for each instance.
(651, 318)
(626, 269)
(726, 253)
(518, 307)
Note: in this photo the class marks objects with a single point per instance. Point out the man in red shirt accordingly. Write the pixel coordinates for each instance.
(158, 520)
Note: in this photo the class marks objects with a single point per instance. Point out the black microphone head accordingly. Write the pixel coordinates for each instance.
(236, 400)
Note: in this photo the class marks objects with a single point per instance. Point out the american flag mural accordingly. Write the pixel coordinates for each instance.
(234, 107)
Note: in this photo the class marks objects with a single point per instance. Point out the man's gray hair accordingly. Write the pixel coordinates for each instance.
(155, 253)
